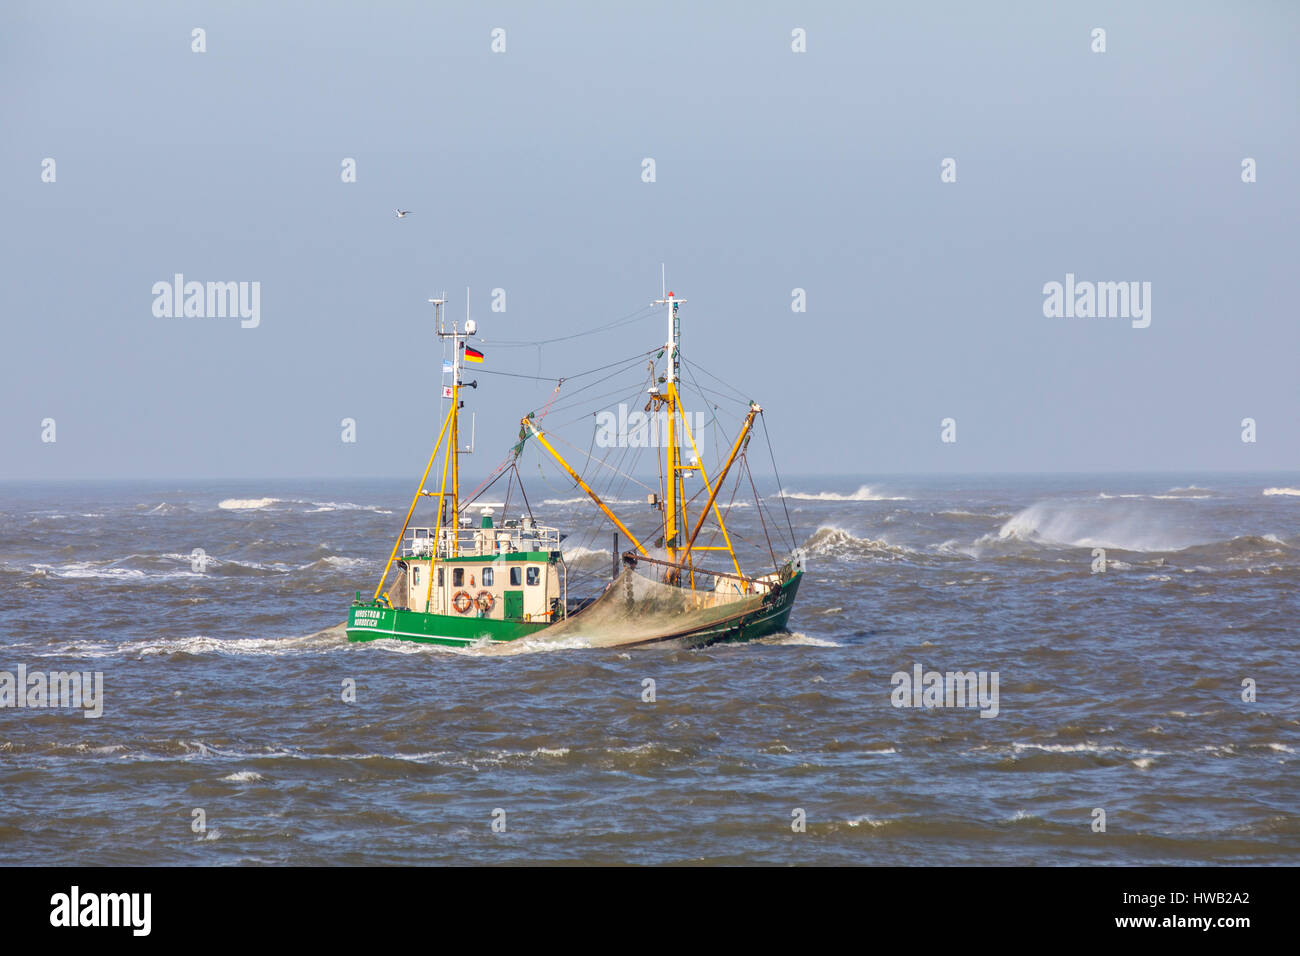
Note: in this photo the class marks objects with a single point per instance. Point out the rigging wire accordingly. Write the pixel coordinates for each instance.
(524, 493)
(601, 461)
(739, 395)
(615, 485)
(771, 453)
(624, 367)
(505, 506)
(536, 378)
(616, 323)
(547, 407)
(749, 472)
(620, 392)
(780, 486)
(568, 378)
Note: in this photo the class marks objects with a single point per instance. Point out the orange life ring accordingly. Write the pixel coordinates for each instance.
(461, 602)
(485, 601)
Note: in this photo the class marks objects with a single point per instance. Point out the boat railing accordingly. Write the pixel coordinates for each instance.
(507, 539)
(700, 579)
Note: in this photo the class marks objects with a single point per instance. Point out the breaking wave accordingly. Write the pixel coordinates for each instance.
(332, 638)
(1189, 493)
(578, 554)
(1282, 491)
(270, 504)
(797, 638)
(155, 568)
(1109, 523)
(247, 504)
(836, 542)
(864, 493)
(584, 500)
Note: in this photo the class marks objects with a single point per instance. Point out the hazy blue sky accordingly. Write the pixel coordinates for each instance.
(775, 170)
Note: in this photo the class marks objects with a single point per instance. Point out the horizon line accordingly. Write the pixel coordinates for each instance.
(865, 476)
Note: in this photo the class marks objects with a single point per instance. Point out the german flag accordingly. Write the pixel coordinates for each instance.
(472, 354)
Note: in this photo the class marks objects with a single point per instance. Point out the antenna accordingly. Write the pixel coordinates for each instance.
(671, 301)
(663, 280)
(437, 310)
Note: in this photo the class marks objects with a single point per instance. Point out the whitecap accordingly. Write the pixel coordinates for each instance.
(794, 638)
(869, 821)
(864, 493)
(246, 504)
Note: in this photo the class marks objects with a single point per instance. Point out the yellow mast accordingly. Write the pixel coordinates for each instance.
(455, 453)
(679, 545)
(456, 347)
(442, 498)
(670, 475)
(674, 491)
(420, 490)
(410, 511)
(452, 460)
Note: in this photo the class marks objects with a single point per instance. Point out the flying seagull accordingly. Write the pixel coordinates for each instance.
(402, 213)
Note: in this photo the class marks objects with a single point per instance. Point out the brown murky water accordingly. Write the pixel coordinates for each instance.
(223, 691)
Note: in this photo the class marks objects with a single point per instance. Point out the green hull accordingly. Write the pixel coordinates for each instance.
(370, 622)
(769, 618)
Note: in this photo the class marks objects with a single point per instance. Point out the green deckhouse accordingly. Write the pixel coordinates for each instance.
(486, 582)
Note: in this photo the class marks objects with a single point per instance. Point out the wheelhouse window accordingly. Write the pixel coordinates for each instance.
(534, 575)
(514, 577)
(487, 577)
(457, 577)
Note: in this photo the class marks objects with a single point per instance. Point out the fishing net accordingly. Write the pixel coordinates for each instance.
(636, 608)
(397, 591)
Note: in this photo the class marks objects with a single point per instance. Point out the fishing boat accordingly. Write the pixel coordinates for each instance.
(466, 577)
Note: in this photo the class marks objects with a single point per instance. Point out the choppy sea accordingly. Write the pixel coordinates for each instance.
(1144, 631)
